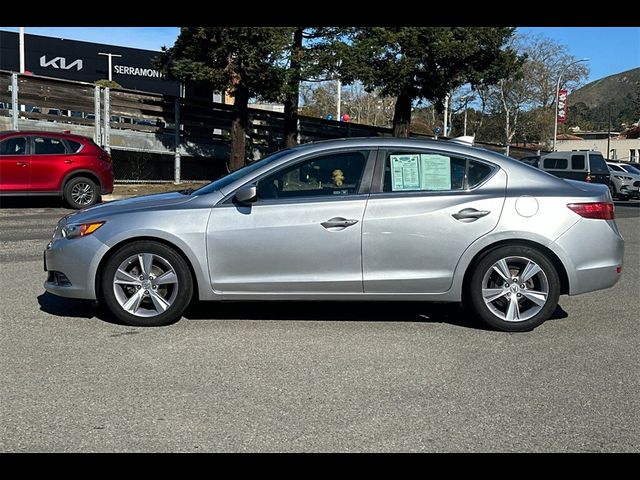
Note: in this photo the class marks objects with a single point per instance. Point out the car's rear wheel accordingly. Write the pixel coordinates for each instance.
(146, 283)
(514, 288)
(81, 192)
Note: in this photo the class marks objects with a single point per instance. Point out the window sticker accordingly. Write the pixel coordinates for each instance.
(435, 172)
(404, 172)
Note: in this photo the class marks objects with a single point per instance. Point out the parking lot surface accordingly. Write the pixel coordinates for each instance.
(319, 377)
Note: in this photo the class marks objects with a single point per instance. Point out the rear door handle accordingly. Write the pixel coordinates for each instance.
(470, 214)
(21, 164)
(68, 161)
(338, 222)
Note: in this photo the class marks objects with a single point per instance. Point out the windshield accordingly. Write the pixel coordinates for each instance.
(631, 169)
(241, 172)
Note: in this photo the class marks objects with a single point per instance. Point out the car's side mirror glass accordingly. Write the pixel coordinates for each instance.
(246, 195)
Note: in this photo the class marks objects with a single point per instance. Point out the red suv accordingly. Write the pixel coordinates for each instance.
(47, 163)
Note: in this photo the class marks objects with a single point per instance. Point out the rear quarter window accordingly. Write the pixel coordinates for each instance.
(74, 147)
(597, 163)
(577, 162)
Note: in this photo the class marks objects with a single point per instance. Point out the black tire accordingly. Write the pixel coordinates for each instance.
(81, 192)
(177, 295)
(492, 312)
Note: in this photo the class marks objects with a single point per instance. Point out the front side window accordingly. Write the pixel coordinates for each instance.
(335, 174)
(13, 146)
(48, 146)
(552, 163)
(413, 171)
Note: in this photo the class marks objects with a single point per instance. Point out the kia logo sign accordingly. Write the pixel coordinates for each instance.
(60, 62)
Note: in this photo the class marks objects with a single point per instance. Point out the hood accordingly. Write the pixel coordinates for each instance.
(633, 176)
(129, 205)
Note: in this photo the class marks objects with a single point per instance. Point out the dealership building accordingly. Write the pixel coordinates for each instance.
(132, 68)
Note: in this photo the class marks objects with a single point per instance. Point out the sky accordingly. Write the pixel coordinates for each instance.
(610, 49)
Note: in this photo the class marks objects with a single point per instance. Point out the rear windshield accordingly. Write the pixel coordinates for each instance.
(597, 163)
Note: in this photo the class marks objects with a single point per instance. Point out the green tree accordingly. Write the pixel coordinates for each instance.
(311, 57)
(107, 83)
(413, 63)
(246, 61)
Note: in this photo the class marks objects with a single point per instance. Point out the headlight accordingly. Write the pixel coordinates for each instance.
(75, 230)
(623, 178)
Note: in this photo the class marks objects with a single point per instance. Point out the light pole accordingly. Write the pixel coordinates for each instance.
(110, 55)
(555, 118)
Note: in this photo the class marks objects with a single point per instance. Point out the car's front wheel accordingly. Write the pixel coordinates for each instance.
(146, 283)
(514, 288)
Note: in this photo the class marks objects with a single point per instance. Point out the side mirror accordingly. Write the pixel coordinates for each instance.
(246, 195)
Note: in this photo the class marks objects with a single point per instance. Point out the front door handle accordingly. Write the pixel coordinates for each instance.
(68, 161)
(470, 214)
(338, 222)
(21, 164)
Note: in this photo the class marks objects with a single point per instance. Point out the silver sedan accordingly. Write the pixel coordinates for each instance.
(358, 219)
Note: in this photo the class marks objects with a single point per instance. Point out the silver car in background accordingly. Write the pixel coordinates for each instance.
(357, 219)
(625, 180)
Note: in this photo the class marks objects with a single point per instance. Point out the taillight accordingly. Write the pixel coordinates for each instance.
(597, 210)
(588, 179)
(104, 157)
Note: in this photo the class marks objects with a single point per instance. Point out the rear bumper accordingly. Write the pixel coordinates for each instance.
(106, 184)
(594, 251)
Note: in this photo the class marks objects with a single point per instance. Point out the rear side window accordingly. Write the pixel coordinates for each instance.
(577, 162)
(552, 163)
(74, 147)
(48, 146)
(597, 163)
(13, 146)
(413, 171)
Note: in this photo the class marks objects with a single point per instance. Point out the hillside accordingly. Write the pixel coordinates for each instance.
(590, 103)
(608, 89)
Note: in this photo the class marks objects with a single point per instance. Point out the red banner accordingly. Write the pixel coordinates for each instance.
(562, 106)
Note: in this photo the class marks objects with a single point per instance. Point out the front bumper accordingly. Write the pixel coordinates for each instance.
(77, 259)
(630, 190)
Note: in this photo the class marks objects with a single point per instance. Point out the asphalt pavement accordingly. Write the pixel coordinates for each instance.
(315, 377)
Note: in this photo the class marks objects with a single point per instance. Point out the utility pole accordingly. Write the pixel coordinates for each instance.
(22, 50)
(609, 136)
(339, 98)
(110, 55)
(446, 116)
(555, 118)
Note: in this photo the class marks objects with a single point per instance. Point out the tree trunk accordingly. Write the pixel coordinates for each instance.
(239, 122)
(402, 116)
(293, 92)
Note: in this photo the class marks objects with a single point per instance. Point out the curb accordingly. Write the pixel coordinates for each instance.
(111, 198)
